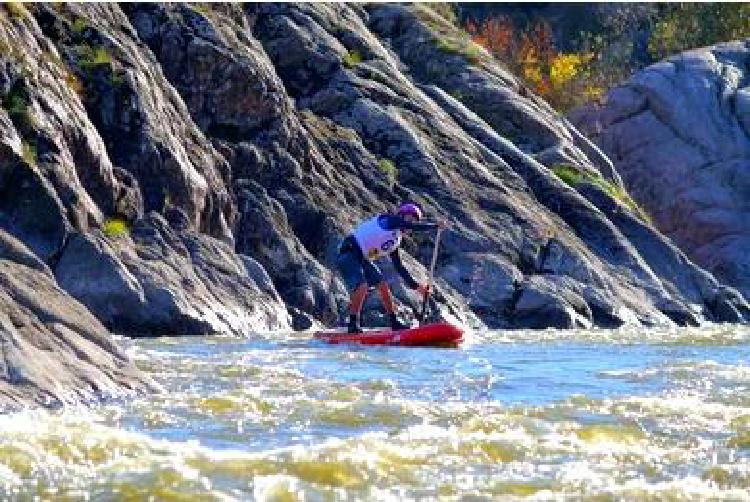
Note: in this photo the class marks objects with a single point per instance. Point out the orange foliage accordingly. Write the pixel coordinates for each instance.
(527, 53)
(496, 35)
(532, 55)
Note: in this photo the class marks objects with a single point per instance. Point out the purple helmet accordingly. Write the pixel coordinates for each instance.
(410, 209)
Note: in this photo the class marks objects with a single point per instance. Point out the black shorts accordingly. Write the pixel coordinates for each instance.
(356, 270)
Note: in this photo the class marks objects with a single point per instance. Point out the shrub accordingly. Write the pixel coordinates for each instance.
(203, 8)
(29, 152)
(91, 57)
(390, 170)
(573, 177)
(564, 79)
(73, 83)
(581, 66)
(686, 26)
(17, 104)
(16, 10)
(79, 25)
(446, 10)
(565, 67)
(115, 227)
(567, 173)
(352, 59)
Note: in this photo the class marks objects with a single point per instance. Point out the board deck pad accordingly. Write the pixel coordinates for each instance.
(430, 335)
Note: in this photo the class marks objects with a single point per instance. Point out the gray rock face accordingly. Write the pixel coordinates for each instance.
(541, 305)
(159, 281)
(294, 109)
(678, 133)
(90, 270)
(113, 102)
(53, 350)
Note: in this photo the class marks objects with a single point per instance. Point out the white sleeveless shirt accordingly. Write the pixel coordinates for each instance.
(374, 241)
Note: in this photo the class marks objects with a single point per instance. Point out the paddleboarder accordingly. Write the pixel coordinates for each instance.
(375, 238)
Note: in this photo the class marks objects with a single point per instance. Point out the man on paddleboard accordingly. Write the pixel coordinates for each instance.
(375, 238)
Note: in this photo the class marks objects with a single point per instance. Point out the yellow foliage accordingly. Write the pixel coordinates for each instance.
(593, 92)
(532, 73)
(564, 68)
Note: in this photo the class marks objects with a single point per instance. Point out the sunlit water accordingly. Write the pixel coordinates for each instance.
(600, 415)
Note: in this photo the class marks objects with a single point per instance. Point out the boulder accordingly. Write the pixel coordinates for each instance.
(90, 270)
(677, 132)
(159, 281)
(54, 351)
(543, 304)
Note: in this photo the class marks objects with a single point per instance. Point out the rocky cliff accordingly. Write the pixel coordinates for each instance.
(235, 145)
(678, 133)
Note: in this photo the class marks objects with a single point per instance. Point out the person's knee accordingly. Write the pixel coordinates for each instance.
(360, 289)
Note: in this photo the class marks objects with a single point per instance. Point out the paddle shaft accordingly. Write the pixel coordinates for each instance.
(432, 274)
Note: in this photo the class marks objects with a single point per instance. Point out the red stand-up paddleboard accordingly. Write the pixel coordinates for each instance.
(430, 335)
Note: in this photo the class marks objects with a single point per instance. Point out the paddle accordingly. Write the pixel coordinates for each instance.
(432, 274)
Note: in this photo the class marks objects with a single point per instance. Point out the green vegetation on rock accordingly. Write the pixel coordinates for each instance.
(446, 10)
(449, 38)
(29, 152)
(17, 103)
(388, 168)
(573, 177)
(202, 7)
(115, 227)
(92, 57)
(79, 25)
(569, 174)
(352, 59)
(16, 10)
(457, 95)
(740, 441)
(720, 477)
(466, 48)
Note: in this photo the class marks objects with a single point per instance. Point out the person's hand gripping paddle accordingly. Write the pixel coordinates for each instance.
(442, 225)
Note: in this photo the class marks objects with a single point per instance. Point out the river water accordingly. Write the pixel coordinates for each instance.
(630, 414)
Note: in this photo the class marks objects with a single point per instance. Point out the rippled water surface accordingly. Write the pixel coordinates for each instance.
(600, 415)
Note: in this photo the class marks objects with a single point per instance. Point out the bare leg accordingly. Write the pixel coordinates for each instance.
(385, 295)
(357, 299)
